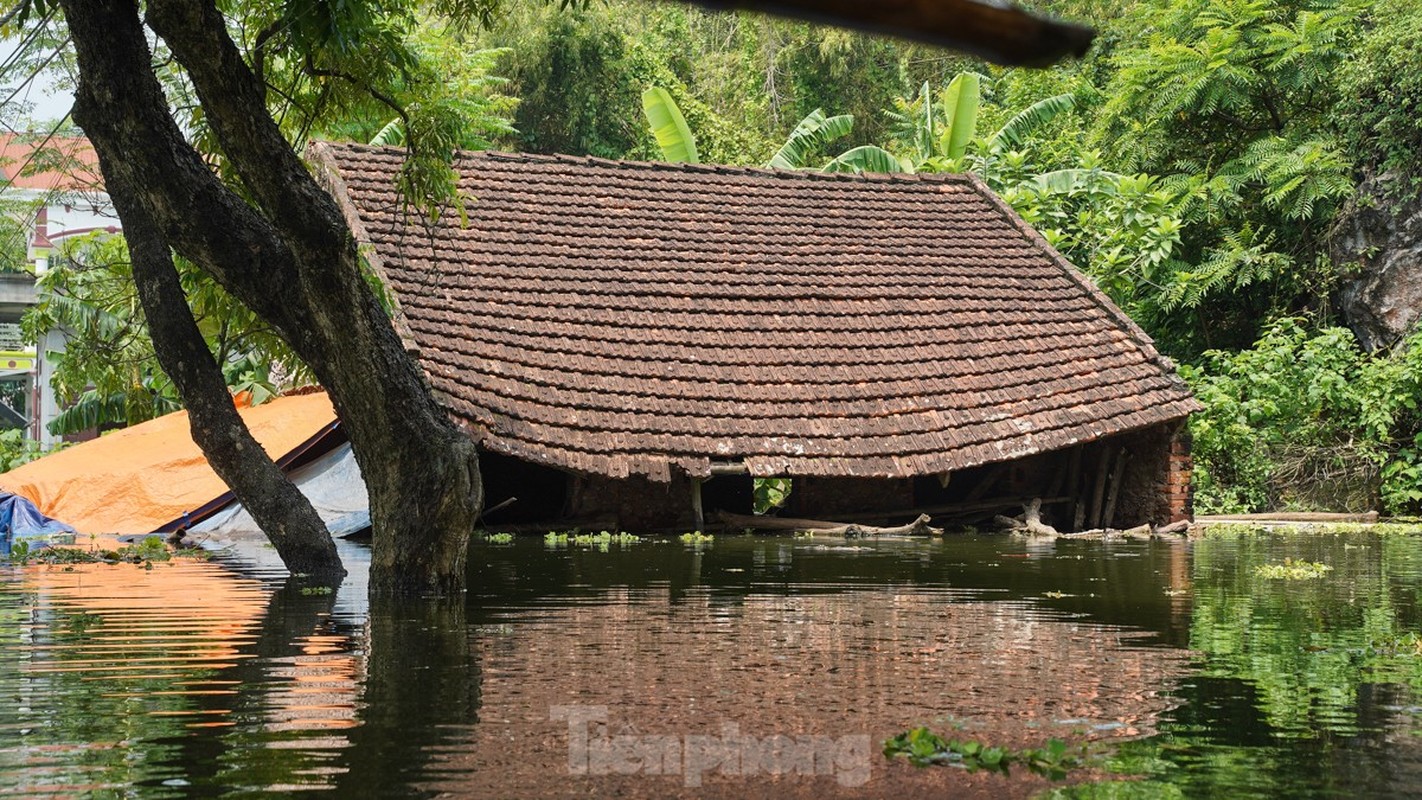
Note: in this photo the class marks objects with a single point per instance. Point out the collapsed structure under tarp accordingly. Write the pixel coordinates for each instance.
(152, 476)
(21, 521)
(331, 482)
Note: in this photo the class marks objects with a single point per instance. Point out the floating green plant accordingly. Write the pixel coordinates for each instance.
(924, 747)
(1292, 570)
(602, 540)
(697, 537)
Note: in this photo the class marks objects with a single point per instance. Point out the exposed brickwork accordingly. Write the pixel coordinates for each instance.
(616, 319)
(633, 504)
(1177, 492)
(825, 497)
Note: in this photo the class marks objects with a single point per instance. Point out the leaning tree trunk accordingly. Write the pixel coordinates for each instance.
(282, 511)
(291, 259)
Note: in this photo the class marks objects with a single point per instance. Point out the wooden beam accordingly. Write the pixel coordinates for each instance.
(998, 31)
(1115, 490)
(989, 480)
(919, 526)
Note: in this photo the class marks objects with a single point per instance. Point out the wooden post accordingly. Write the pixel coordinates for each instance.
(697, 514)
(1073, 487)
(1116, 475)
(1103, 467)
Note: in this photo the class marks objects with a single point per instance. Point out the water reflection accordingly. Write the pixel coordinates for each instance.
(199, 678)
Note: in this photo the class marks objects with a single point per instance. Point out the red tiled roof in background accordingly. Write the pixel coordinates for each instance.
(617, 318)
(63, 163)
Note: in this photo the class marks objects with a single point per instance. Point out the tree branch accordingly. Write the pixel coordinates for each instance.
(1001, 33)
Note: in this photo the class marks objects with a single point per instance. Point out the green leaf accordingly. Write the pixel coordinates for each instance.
(813, 131)
(866, 158)
(1029, 119)
(669, 127)
(961, 101)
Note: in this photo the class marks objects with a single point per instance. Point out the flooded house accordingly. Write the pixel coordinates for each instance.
(637, 343)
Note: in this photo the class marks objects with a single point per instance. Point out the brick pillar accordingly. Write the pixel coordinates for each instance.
(1177, 495)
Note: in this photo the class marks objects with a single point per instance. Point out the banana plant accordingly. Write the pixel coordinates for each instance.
(678, 143)
(941, 132)
(813, 132)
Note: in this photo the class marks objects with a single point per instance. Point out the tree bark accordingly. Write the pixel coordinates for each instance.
(282, 511)
(292, 260)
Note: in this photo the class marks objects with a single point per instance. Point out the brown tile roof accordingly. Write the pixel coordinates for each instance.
(616, 318)
(54, 163)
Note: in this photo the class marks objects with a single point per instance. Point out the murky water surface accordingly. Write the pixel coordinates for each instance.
(749, 667)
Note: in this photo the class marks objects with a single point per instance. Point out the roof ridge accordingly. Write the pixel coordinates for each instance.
(723, 169)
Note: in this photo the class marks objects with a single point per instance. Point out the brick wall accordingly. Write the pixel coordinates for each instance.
(635, 504)
(823, 498)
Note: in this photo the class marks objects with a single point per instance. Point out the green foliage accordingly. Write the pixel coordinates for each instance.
(1306, 419)
(601, 541)
(107, 374)
(697, 538)
(16, 450)
(345, 69)
(145, 552)
(768, 494)
(922, 747)
(678, 143)
(1380, 90)
(1232, 104)
(867, 158)
(478, 116)
(812, 134)
(574, 75)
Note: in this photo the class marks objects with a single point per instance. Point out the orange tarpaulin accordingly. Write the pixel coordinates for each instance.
(142, 478)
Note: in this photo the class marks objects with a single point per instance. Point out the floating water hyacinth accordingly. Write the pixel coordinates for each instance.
(1292, 570)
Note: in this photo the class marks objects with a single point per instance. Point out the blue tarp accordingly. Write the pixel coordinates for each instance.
(21, 521)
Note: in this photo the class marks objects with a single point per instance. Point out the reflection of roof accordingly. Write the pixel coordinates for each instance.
(64, 163)
(617, 318)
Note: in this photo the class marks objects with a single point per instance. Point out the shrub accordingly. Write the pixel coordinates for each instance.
(1306, 420)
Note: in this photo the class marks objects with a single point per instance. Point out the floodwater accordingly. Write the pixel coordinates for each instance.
(745, 667)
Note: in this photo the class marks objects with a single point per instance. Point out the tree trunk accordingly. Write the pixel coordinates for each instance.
(292, 260)
(282, 511)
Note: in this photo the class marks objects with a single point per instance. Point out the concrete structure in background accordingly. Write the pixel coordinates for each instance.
(53, 183)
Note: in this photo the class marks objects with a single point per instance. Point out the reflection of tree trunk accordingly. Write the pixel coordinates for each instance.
(282, 511)
(209, 760)
(422, 686)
